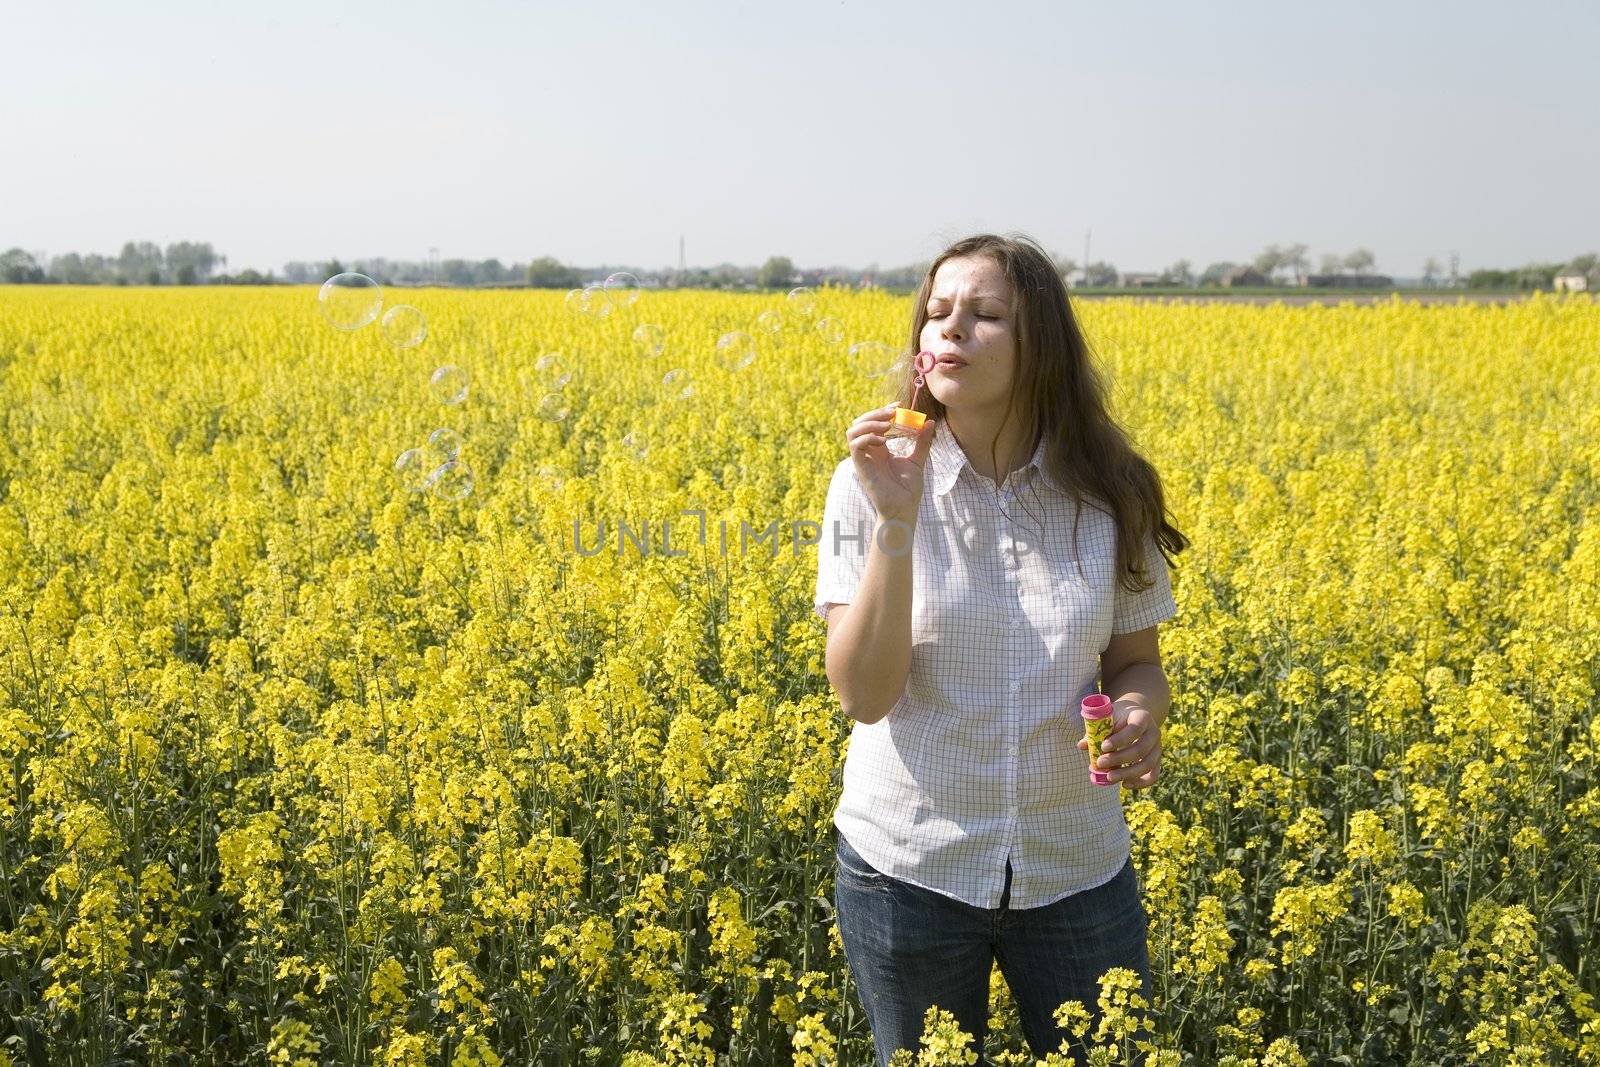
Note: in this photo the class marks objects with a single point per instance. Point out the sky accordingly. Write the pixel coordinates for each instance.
(834, 133)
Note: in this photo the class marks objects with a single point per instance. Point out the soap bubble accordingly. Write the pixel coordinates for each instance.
(350, 301)
(552, 370)
(575, 301)
(622, 288)
(444, 444)
(448, 384)
(552, 477)
(649, 340)
(636, 443)
(830, 330)
(596, 301)
(452, 481)
(412, 470)
(770, 323)
(679, 386)
(553, 407)
(803, 302)
(871, 358)
(404, 326)
(736, 350)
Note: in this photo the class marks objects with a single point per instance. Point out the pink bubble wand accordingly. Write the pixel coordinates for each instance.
(908, 422)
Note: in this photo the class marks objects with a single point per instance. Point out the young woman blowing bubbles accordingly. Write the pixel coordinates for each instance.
(974, 591)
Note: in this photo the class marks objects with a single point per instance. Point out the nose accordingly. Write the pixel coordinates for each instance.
(951, 328)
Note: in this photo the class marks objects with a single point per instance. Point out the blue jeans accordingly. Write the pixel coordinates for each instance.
(909, 948)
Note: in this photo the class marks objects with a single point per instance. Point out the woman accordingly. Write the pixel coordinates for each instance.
(974, 591)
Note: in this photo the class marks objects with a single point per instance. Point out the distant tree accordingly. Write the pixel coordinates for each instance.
(186, 274)
(297, 273)
(1180, 273)
(775, 273)
(1212, 275)
(1295, 258)
(19, 268)
(1492, 279)
(1268, 261)
(198, 256)
(1430, 272)
(1360, 261)
(1100, 274)
(69, 269)
(138, 259)
(1538, 276)
(547, 272)
(1587, 265)
(1332, 264)
(492, 272)
(153, 277)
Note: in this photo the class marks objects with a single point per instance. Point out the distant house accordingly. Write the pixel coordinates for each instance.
(1133, 280)
(1350, 281)
(1568, 282)
(1245, 275)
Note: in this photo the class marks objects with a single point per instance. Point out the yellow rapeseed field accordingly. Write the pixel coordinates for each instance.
(301, 766)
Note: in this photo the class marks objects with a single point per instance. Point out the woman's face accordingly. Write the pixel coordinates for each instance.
(972, 332)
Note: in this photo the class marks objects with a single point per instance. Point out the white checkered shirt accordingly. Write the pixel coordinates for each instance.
(978, 761)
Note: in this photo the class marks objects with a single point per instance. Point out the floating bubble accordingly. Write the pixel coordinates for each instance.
(679, 386)
(872, 358)
(452, 481)
(636, 443)
(404, 326)
(803, 302)
(770, 323)
(350, 301)
(448, 384)
(576, 302)
(552, 477)
(596, 301)
(552, 371)
(444, 444)
(622, 288)
(412, 470)
(830, 330)
(736, 350)
(553, 407)
(649, 340)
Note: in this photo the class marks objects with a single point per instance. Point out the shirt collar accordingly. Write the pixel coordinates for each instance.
(946, 458)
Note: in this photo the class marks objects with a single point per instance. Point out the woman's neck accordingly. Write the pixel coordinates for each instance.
(974, 433)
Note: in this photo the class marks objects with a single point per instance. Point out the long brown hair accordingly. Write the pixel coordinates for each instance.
(1058, 392)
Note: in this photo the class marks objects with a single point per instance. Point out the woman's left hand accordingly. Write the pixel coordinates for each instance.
(1133, 753)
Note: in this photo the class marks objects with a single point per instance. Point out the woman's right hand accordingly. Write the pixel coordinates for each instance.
(892, 483)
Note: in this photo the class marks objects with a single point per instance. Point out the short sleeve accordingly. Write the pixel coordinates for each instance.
(847, 521)
(1136, 611)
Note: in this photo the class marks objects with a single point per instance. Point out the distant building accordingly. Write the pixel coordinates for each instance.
(1133, 280)
(1351, 281)
(1571, 283)
(1245, 275)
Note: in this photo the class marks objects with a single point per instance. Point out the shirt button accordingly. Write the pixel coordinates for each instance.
(1012, 621)
(1015, 686)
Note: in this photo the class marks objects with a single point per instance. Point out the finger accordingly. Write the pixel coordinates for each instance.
(1144, 781)
(1129, 731)
(1125, 757)
(1135, 772)
(1123, 737)
(924, 442)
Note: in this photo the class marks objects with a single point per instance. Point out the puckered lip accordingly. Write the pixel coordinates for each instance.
(949, 357)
